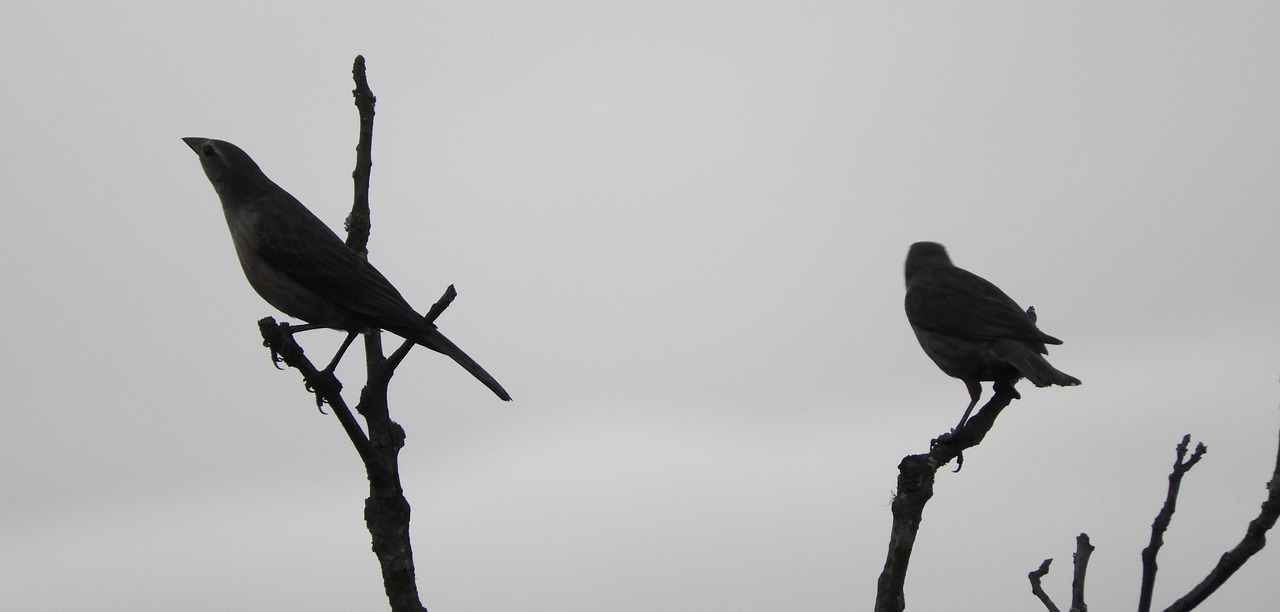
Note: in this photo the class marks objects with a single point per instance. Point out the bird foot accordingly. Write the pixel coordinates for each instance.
(276, 359)
(324, 378)
(947, 438)
(942, 439)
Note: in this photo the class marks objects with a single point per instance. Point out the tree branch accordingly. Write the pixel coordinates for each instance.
(915, 487)
(386, 511)
(358, 222)
(1181, 465)
(1081, 559)
(1255, 537)
(1231, 561)
(389, 366)
(1036, 589)
(1081, 562)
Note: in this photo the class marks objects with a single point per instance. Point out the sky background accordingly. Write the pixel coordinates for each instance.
(677, 231)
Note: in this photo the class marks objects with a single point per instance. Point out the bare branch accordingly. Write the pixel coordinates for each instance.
(388, 367)
(386, 511)
(915, 487)
(1034, 576)
(438, 308)
(1181, 465)
(358, 224)
(1255, 538)
(1081, 558)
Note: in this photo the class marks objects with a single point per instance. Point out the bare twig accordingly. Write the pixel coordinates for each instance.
(389, 366)
(1231, 561)
(1081, 559)
(1255, 538)
(1181, 465)
(1081, 562)
(915, 487)
(358, 222)
(438, 308)
(1036, 589)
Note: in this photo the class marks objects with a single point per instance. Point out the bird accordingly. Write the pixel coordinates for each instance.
(302, 268)
(971, 329)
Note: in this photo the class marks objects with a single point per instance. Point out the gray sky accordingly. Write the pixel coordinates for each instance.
(677, 232)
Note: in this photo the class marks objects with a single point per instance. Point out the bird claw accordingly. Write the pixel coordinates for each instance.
(311, 388)
(943, 439)
(276, 359)
(285, 331)
(946, 438)
(320, 404)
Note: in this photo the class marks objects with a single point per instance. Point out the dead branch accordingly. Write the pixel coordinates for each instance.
(1036, 589)
(1255, 537)
(1181, 465)
(386, 512)
(915, 487)
(1081, 561)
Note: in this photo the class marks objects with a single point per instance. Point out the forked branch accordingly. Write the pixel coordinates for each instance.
(1253, 541)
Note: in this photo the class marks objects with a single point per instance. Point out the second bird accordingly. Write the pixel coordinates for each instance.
(298, 265)
(971, 329)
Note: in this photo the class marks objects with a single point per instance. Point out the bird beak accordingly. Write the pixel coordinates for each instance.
(194, 143)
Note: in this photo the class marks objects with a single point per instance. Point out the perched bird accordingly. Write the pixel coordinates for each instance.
(971, 329)
(298, 265)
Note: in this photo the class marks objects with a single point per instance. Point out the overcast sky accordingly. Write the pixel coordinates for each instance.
(677, 231)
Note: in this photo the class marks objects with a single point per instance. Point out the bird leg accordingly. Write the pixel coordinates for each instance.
(293, 329)
(975, 391)
(333, 363)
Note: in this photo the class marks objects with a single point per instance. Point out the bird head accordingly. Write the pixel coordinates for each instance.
(924, 256)
(229, 169)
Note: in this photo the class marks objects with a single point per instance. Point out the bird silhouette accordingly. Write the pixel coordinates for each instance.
(301, 267)
(971, 329)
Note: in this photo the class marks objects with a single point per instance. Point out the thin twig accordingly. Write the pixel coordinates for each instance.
(358, 222)
(1036, 589)
(438, 308)
(1255, 537)
(389, 365)
(1181, 465)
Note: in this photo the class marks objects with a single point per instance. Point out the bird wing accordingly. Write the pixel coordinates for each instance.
(297, 243)
(956, 302)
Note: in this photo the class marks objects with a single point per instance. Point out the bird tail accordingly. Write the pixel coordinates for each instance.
(434, 340)
(1032, 365)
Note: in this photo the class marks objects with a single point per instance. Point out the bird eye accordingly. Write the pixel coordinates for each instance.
(209, 151)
